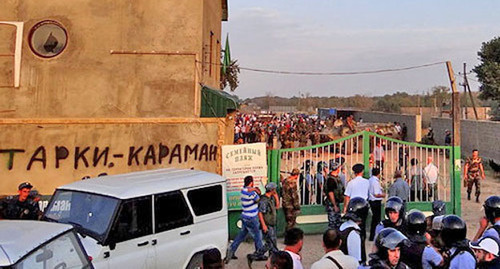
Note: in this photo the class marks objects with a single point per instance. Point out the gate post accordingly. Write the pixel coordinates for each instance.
(457, 180)
(274, 169)
(455, 100)
(366, 153)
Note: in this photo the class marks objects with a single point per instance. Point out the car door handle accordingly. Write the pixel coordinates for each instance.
(186, 232)
(153, 242)
(142, 244)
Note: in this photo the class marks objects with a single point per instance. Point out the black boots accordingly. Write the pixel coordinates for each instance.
(468, 196)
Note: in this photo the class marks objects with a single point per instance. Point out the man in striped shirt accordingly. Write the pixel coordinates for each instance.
(250, 221)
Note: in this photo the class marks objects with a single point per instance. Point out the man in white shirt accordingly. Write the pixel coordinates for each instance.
(375, 196)
(379, 155)
(294, 239)
(334, 258)
(431, 173)
(357, 187)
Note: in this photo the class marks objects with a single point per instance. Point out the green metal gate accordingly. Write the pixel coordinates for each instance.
(416, 161)
(359, 148)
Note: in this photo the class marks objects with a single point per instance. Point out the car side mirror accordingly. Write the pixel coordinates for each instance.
(112, 245)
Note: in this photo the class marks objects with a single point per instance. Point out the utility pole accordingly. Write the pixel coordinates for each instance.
(465, 92)
(457, 167)
(466, 82)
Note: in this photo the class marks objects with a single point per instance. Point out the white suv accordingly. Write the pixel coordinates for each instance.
(152, 219)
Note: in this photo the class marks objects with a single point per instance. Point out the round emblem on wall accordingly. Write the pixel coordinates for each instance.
(48, 39)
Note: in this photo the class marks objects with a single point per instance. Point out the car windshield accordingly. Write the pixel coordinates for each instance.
(91, 214)
(62, 252)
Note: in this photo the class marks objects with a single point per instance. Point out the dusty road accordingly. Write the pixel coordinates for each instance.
(312, 250)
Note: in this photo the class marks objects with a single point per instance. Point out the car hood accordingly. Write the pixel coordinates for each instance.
(19, 237)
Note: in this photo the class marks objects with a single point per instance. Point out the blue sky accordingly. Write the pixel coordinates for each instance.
(343, 36)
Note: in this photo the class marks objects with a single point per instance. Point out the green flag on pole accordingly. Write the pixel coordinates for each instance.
(227, 56)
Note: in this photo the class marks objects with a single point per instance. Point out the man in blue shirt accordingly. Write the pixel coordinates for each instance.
(460, 255)
(250, 221)
(417, 254)
(399, 188)
(492, 215)
(353, 243)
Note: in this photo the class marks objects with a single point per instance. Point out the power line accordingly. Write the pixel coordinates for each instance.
(339, 73)
(307, 73)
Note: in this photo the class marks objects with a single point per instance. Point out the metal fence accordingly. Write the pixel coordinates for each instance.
(428, 169)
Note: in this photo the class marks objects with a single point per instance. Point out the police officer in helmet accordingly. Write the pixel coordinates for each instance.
(453, 234)
(388, 245)
(20, 206)
(395, 212)
(436, 237)
(353, 243)
(438, 209)
(492, 215)
(417, 254)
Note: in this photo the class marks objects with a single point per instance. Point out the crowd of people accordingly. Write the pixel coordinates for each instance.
(401, 240)
(289, 128)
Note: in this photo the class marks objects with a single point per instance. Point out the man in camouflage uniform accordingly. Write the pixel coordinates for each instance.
(473, 173)
(291, 204)
(303, 137)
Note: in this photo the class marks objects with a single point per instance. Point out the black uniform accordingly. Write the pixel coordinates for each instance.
(12, 208)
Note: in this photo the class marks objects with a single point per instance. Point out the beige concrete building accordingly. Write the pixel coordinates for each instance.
(92, 87)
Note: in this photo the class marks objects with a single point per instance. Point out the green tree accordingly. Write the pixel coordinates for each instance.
(441, 94)
(385, 105)
(488, 71)
(495, 111)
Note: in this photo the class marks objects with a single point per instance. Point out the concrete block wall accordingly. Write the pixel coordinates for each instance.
(481, 135)
(413, 122)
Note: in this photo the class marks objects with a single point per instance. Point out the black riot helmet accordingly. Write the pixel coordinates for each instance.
(492, 208)
(357, 209)
(321, 165)
(416, 226)
(454, 230)
(438, 208)
(389, 238)
(395, 203)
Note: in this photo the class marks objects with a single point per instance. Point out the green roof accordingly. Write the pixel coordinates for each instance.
(216, 103)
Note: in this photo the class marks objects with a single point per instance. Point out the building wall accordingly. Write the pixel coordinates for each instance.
(413, 122)
(53, 154)
(481, 135)
(123, 96)
(431, 112)
(87, 80)
(212, 43)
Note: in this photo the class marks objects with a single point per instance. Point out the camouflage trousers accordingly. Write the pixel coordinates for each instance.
(334, 218)
(474, 179)
(290, 217)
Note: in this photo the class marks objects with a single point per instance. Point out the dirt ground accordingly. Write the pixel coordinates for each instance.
(313, 251)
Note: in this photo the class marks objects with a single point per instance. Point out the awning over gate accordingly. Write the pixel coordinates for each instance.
(216, 103)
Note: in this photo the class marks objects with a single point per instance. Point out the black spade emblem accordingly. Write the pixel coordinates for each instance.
(50, 43)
